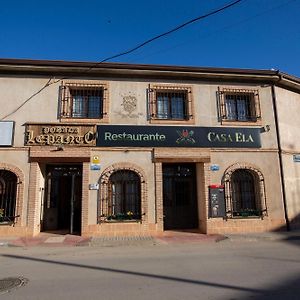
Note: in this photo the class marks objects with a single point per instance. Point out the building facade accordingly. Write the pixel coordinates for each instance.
(116, 149)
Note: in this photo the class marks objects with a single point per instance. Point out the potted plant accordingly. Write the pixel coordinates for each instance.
(1, 215)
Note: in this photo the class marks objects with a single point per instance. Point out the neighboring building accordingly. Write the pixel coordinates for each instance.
(119, 149)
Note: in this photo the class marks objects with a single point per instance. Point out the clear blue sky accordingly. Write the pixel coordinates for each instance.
(256, 34)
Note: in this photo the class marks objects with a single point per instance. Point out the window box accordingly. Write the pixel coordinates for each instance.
(129, 216)
(247, 213)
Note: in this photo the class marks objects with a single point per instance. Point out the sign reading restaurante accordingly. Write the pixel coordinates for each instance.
(60, 134)
(177, 136)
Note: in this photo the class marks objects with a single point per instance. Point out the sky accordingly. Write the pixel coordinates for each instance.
(253, 34)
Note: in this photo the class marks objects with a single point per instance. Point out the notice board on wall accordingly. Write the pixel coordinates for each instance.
(6, 133)
(216, 201)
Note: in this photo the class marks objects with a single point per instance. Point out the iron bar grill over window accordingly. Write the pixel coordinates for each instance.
(123, 201)
(170, 103)
(245, 194)
(84, 101)
(239, 105)
(8, 193)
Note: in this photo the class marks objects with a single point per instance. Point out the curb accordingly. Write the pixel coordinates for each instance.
(284, 236)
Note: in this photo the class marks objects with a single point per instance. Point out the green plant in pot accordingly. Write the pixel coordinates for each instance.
(1, 214)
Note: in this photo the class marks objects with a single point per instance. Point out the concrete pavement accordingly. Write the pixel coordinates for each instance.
(266, 269)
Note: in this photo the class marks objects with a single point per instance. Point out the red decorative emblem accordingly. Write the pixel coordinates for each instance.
(185, 136)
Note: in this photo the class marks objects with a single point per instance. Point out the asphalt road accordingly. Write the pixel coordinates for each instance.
(242, 269)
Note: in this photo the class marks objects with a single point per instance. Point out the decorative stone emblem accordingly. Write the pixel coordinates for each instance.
(129, 103)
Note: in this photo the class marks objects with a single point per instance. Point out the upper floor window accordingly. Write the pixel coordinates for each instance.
(172, 103)
(239, 105)
(83, 101)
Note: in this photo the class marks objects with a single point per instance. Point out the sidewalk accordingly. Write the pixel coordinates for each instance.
(167, 238)
(45, 241)
(55, 240)
(267, 236)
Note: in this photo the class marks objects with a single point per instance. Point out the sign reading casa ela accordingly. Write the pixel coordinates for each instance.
(177, 136)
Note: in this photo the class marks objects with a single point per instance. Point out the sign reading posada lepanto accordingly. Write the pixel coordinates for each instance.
(60, 134)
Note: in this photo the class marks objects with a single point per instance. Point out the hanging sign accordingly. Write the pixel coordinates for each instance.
(177, 136)
(60, 134)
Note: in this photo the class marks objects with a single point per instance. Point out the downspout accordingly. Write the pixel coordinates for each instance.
(280, 158)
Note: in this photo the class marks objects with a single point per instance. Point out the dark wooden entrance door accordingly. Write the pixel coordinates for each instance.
(180, 196)
(62, 205)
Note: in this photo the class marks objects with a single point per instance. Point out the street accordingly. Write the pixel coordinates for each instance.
(229, 269)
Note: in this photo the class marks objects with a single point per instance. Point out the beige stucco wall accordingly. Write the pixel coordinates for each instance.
(288, 106)
(292, 187)
(43, 108)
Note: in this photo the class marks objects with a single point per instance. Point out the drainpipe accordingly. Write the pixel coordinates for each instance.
(280, 158)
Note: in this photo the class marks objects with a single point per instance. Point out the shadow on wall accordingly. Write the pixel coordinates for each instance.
(293, 235)
(294, 224)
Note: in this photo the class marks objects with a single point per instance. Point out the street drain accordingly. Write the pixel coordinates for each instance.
(10, 283)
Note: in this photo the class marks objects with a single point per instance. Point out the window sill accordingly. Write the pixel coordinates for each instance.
(241, 123)
(169, 121)
(86, 120)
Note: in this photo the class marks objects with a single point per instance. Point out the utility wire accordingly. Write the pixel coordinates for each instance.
(28, 99)
(219, 30)
(167, 33)
(216, 11)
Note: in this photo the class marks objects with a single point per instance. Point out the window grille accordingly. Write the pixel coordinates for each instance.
(82, 101)
(245, 193)
(123, 200)
(170, 103)
(239, 105)
(8, 193)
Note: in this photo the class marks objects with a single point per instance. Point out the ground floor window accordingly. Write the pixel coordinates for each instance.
(245, 193)
(123, 200)
(8, 193)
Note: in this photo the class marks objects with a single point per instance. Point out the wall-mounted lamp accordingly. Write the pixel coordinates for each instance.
(265, 128)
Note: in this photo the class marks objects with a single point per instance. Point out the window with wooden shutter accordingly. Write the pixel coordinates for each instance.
(170, 103)
(238, 105)
(86, 100)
